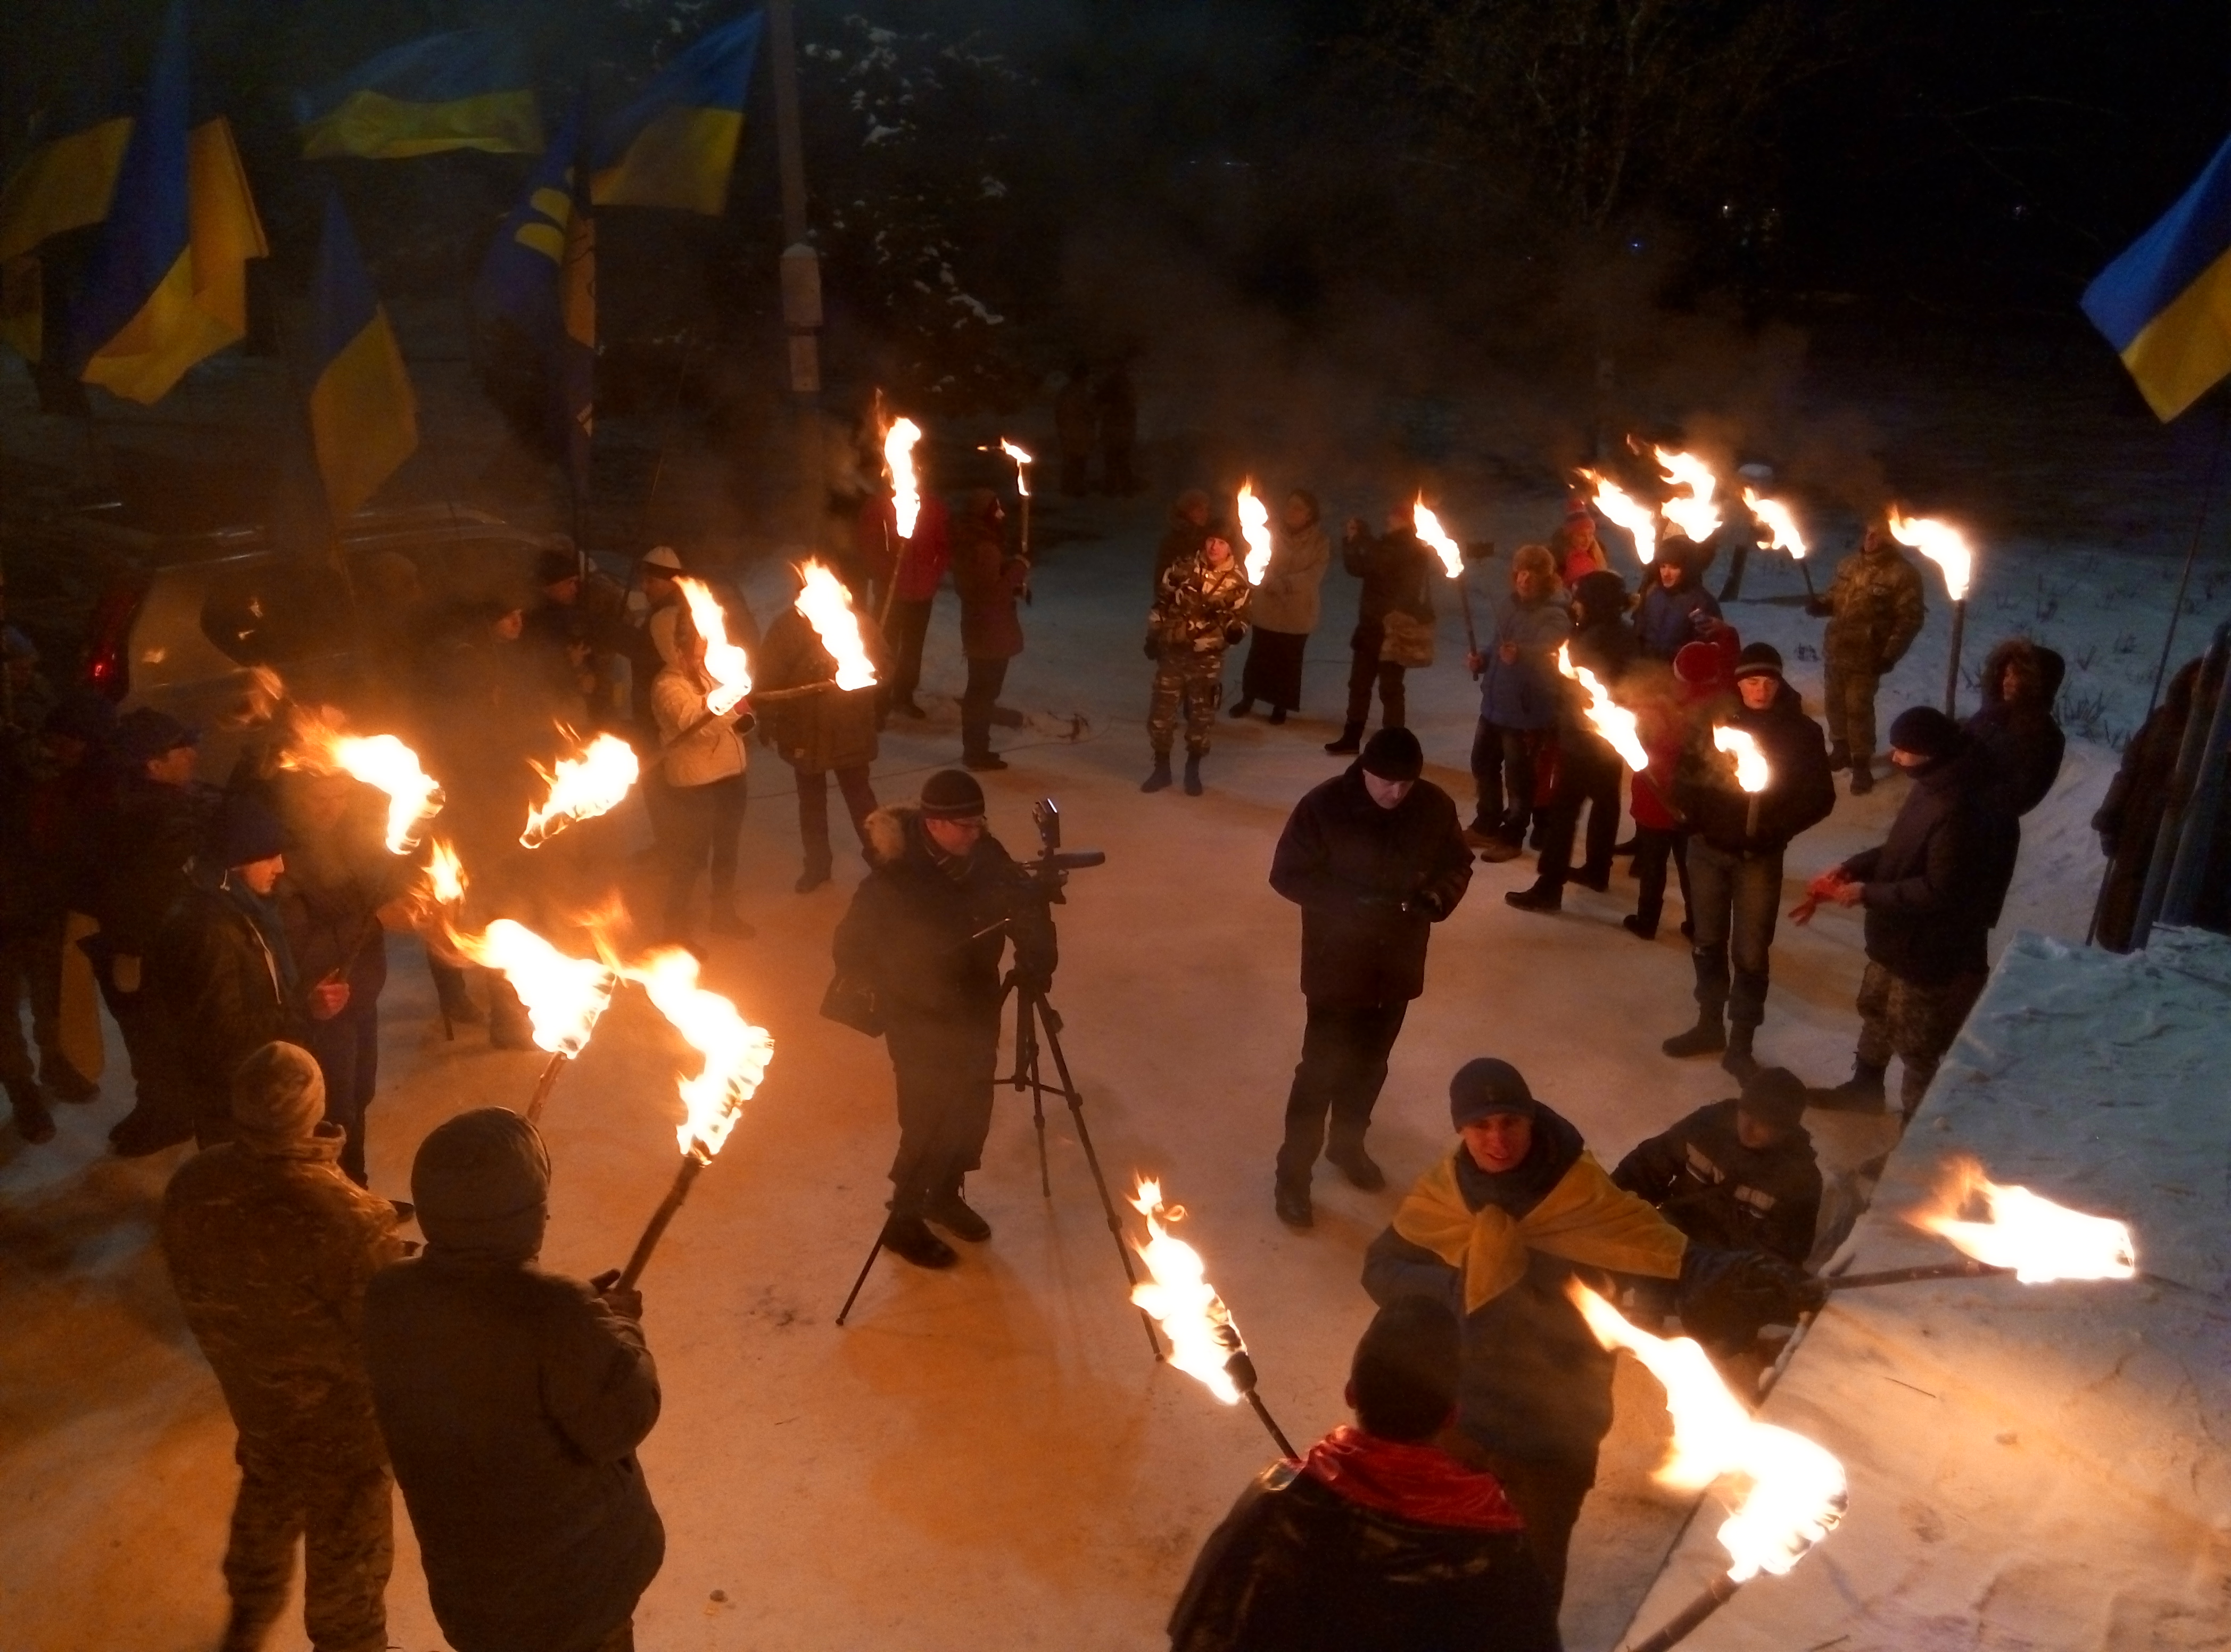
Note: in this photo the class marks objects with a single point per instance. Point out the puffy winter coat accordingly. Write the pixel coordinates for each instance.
(270, 1255)
(229, 988)
(1200, 610)
(1799, 795)
(1666, 620)
(989, 581)
(1707, 1183)
(1397, 571)
(1287, 600)
(1371, 884)
(1875, 609)
(2023, 741)
(1298, 1567)
(1527, 693)
(930, 942)
(1934, 887)
(814, 732)
(700, 749)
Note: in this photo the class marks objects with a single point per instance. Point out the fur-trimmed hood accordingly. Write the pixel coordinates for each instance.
(893, 831)
(2050, 667)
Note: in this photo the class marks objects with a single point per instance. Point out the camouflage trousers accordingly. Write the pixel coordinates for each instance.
(1196, 681)
(1913, 1021)
(332, 1496)
(1847, 696)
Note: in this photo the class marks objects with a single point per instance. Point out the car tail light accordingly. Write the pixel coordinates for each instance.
(108, 638)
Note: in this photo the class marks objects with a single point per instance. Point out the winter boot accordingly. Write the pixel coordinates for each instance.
(951, 1212)
(1192, 774)
(1293, 1206)
(981, 762)
(1358, 1166)
(1863, 773)
(64, 1082)
(33, 1122)
(909, 1236)
(1350, 740)
(1839, 758)
(1738, 1060)
(1159, 780)
(1641, 928)
(1707, 1037)
(1546, 895)
(1860, 1093)
(1277, 716)
(1240, 708)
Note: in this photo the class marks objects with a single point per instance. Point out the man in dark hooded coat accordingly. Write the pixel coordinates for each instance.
(512, 1402)
(2016, 728)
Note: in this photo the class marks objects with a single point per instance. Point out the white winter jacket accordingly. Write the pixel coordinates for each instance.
(707, 754)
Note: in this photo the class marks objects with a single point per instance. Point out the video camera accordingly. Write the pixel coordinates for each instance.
(1048, 871)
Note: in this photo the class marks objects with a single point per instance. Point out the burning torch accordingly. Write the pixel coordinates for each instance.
(1203, 1342)
(381, 761)
(1751, 771)
(1782, 531)
(1795, 1493)
(725, 661)
(736, 1054)
(1255, 529)
(827, 606)
(2022, 1232)
(1623, 509)
(1693, 510)
(1944, 545)
(581, 788)
(1024, 460)
(564, 995)
(906, 496)
(1429, 529)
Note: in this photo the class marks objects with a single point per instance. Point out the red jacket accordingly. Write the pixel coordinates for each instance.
(988, 581)
(1702, 671)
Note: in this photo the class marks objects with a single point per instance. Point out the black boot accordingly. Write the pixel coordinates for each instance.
(951, 1212)
(1240, 708)
(909, 1236)
(1641, 928)
(1839, 758)
(1159, 780)
(1546, 895)
(1863, 774)
(1860, 1093)
(33, 1122)
(1358, 1166)
(1738, 1060)
(1192, 774)
(1293, 1206)
(1350, 740)
(1707, 1037)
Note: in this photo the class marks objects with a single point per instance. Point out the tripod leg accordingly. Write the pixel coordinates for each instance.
(1026, 1064)
(1076, 1100)
(862, 1280)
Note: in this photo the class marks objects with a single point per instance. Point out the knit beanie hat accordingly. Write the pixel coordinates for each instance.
(1758, 659)
(1924, 731)
(482, 1181)
(1485, 1086)
(278, 1098)
(1775, 1097)
(1602, 593)
(1393, 755)
(247, 831)
(952, 794)
(1408, 1368)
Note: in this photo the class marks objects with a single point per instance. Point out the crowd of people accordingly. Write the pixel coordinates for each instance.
(237, 937)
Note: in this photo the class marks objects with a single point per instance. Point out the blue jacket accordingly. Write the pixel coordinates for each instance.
(1667, 620)
(1525, 693)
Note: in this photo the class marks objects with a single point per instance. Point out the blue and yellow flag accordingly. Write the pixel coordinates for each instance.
(64, 184)
(518, 281)
(472, 89)
(168, 284)
(673, 146)
(2165, 304)
(363, 417)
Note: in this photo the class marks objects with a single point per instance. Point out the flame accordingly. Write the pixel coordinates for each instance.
(1751, 771)
(1623, 509)
(564, 995)
(445, 875)
(1430, 530)
(582, 788)
(1693, 511)
(1942, 543)
(736, 1052)
(724, 661)
(1796, 1493)
(1024, 461)
(827, 606)
(1610, 719)
(2041, 1240)
(380, 761)
(261, 697)
(898, 459)
(1203, 1339)
(1255, 529)
(1781, 526)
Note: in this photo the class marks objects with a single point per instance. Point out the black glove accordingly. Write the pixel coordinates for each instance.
(1726, 1295)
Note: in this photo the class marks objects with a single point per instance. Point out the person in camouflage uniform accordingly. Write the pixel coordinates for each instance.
(1201, 611)
(1874, 609)
(270, 1247)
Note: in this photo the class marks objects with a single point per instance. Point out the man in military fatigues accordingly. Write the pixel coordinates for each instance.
(1201, 611)
(1874, 609)
(1739, 1174)
(270, 1247)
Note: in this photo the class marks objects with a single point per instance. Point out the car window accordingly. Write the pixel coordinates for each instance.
(275, 610)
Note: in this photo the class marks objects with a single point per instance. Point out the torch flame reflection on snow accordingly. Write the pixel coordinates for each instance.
(1430, 530)
(725, 661)
(379, 760)
(898, 457)
(1203, 1339)
(736, 1052)
(1942, 543)
(1692, 512)
(1619, 726)
(564, 995)
(1623, 509)
(1255, 529)
(1796, 1492)
(582, 788)
(828, 608)
(1780, 525)
(2041, 1240)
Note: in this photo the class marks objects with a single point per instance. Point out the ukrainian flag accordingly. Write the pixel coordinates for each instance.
(363, 417)
(169, 283)
(673, 146)
(467, 90)
(519, 277)
(63, 184)
(2165, 304)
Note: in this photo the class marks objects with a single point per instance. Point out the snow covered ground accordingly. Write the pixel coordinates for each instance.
(988, 1456)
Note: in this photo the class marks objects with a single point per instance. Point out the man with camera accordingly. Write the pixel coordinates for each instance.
(918, 959)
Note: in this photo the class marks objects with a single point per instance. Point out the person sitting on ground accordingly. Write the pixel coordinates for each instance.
(1738, 1173)
(1379, 1540)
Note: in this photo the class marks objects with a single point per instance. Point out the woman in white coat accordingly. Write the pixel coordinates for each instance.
(1284, 610)
(704, 770)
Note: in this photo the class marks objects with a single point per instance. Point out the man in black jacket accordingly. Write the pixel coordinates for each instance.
(1932, 889)
(1379, 1540)
(512, 1402)
(1588, 766)
(2015, 726)
(1735, 852)
(925, 933)
(1397, 571)
(1738, 1173)
(1374, 859)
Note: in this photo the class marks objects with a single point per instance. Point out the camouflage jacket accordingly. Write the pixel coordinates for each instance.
(269, 1257)
(1200, 609)
(1875, 610)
